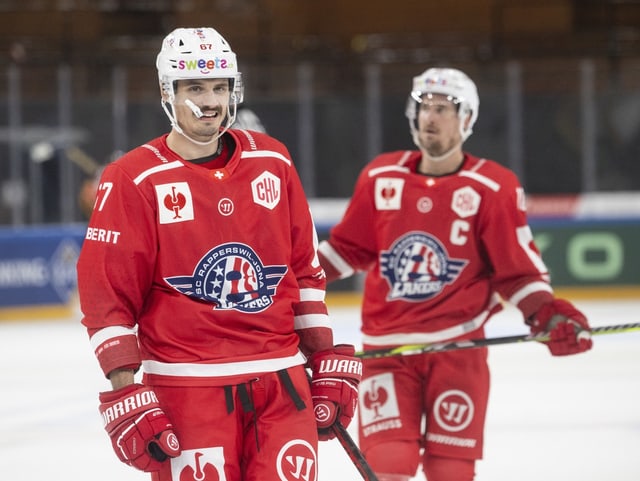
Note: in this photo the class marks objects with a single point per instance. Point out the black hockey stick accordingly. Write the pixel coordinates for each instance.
(352, 450)
(356, 456)
(412, 349)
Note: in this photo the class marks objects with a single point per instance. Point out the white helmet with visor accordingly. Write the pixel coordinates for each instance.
(458, 88)
(197, 53)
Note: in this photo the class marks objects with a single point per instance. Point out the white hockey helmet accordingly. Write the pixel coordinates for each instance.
(458, 88)
(198, 53)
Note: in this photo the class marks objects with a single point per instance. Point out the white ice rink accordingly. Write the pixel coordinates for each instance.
(550, 419)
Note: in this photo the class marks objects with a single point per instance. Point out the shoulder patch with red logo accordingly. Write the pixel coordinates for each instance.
(175, 203)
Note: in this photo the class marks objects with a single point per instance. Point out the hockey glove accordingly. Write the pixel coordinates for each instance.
(141, 434)
(568, 329)
(335, 375)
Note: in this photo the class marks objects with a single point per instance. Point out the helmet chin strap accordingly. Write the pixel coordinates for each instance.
(198, 113)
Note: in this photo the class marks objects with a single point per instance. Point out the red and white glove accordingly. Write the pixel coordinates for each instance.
(335, 375)
(568, 329)
(141, 434)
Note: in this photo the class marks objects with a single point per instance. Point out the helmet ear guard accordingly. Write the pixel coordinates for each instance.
(167, 88)
(237, 89)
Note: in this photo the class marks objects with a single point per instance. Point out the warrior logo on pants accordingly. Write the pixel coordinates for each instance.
(453, 410)
(297, 461)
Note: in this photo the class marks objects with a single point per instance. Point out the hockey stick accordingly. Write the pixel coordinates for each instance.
(87, 164)
(412, 349)
(356, 456)
(352, 450)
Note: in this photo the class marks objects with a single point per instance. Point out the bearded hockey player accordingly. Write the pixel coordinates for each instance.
(443, 238)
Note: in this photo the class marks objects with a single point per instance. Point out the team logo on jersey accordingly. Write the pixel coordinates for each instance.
(266, 190)
(231, 276)
(297, 461)
(388, 193)
(199, 465)
(418, 267)
(175, 203)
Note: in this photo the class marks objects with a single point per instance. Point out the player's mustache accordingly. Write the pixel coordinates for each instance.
(200, 111)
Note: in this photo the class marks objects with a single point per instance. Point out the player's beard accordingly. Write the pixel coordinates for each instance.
(436, 149)
(203, 131)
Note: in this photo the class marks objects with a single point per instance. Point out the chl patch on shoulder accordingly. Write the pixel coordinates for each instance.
(465, 202)
(266, 190)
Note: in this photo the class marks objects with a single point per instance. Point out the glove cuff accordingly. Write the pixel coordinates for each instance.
(110, 396)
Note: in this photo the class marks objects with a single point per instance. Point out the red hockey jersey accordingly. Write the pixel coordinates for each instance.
(437, 250)
(202, 275)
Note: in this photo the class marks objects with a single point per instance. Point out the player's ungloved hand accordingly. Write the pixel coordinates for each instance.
(141, 434)
(568, 329)
(335, 375)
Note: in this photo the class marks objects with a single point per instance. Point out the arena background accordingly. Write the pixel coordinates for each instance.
(559, 82)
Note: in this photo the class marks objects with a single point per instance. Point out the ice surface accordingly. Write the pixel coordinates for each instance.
(553, 419)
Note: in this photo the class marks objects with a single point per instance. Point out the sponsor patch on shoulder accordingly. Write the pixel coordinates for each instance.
(175, 203)
(388, 193)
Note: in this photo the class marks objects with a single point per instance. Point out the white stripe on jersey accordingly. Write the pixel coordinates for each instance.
(492, 184)
(264, 153)
(531, 288)
(103, 335)
(187, 369)
(388, 168)
(337, 261)
(308, 294)
(401, 338)
(159, 168)
(306, 321)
